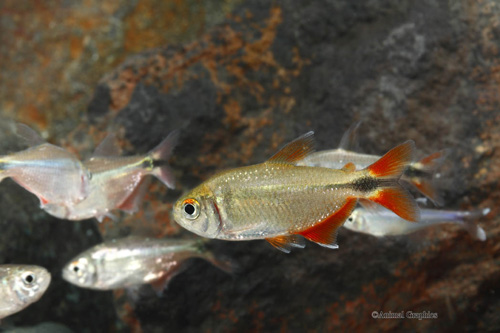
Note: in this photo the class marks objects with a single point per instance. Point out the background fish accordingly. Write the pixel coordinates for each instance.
(418, 174)
(53, 174)
(21, 285)
(383, 222)
(118, 182)
(135, 261)
(279, 201)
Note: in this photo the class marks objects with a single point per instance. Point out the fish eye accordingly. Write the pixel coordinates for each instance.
(350, 219)
(191, 209)
(28, 278)
(76, 269)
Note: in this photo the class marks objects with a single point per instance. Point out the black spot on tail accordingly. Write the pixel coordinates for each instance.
(366, 184)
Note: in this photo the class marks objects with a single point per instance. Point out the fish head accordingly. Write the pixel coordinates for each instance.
(198, 212)
(30, 283)
(80, 272)
(356, 221)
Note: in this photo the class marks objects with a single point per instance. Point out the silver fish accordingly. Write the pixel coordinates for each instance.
(381, 222)
(118, 182)
(418, 174)
(133, 261)
(21, 285)
(53, 174)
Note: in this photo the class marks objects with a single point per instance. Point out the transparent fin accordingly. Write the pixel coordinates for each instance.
(28, 134)
(295, 151)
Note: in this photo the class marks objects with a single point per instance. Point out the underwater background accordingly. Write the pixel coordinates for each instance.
(239, 79)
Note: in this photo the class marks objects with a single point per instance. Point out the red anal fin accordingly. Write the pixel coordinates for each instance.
(399, 201)
(394, 161)
(285, 243)
(349, 167)
(295, 151)
(325, 232)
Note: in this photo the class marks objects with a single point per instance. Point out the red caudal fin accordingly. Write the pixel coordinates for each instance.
(391, 195)
(394, 162)
(325, 232)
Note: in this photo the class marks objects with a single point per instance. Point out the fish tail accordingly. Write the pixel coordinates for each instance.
(421, 175)
(160, 156)
(470, 223)
(3, 169)
(222, 262)
(389, 193)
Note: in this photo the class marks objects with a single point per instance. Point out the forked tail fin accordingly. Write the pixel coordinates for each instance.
(160, 156)
(389, 193)
(421, 175)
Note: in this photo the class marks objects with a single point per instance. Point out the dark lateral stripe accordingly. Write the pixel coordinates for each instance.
(366, 184)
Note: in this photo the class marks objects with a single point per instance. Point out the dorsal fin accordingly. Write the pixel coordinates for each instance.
(29, 135)
(349, 167)
(349, 139)
(108, 147)
(295, 150)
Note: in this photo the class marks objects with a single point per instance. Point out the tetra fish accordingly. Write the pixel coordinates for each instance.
(134, 261)
(279, 201)
(52, 173)
(418, 174)
(118, 182)
(382, 222)
(20, 286)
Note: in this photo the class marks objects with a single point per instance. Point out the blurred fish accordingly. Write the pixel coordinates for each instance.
(53, 174)
(133, 261)
(47, 327)
(280, 202)
(418, 174)
(21, 285)
(118, 182)
(382, 222)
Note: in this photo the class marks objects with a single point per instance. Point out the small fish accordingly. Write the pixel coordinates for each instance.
(280, 202)
(21, 285)
(53, 174)
(382, 222)
(118, 182)
(134, 261)
(418, 174)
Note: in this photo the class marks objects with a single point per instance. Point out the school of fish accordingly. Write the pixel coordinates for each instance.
(296, 195)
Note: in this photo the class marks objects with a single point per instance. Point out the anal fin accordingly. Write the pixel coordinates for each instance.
(325, 232)
(285, 243)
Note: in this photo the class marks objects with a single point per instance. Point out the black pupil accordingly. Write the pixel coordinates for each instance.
(29, 278)
(189, 209)
(76, 269)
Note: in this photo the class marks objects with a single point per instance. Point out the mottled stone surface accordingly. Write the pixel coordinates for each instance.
(238, 87)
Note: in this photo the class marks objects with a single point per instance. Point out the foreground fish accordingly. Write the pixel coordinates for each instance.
(118, 182)
(135, 261)
(418, 174)
(21, 285)
(53, 174)
(280, 202)
(382, 222)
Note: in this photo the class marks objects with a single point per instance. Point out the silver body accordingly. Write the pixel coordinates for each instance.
(53, 174)
(129, 262)
(20, 286)
(337, 159)
(382, 222)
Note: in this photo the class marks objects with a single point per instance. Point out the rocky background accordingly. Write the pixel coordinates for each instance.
(239, 79)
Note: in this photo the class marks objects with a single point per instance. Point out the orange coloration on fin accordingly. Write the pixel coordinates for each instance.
(285, 243)
(349, 167)
(433, 159)
(394, 161)
(425, 187)
(295, 151)
(399, 201)
(43, 201)
(325, 233)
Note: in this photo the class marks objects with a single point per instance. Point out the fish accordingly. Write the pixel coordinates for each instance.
(52, 173)
(20, 286)
(284, 203)
(418, 175)
(382, 222)
(134, 261)
(118, 182)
